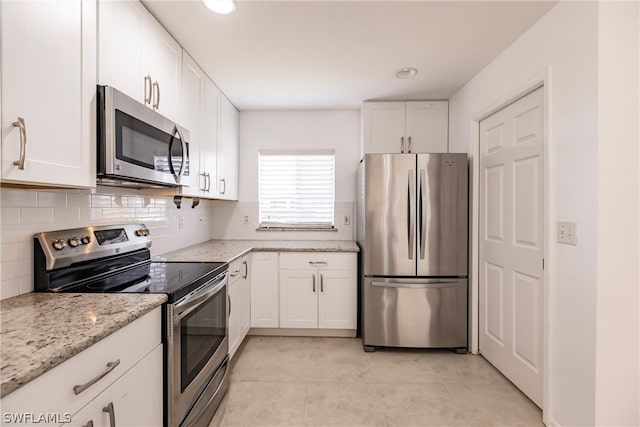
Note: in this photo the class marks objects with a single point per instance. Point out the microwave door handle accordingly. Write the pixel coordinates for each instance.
(178, 177)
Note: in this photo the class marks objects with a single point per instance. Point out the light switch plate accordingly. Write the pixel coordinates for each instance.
(567, 232)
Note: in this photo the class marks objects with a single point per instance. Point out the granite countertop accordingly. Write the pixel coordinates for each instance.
(39, 331)
(229, 250)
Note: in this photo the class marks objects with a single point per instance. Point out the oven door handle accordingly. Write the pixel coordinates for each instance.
(191, 302)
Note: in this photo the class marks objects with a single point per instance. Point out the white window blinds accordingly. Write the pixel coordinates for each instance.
(296, 189)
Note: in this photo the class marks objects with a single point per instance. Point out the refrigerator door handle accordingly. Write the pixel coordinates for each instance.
(419, 285)
(411, 212)
(421, 213)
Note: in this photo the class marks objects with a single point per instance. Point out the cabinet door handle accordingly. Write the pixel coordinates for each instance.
(208, 181)
(148, 89)
(409, 145)
(77, 389)
(318, 262)
(156, 93)
(223, 186)
(204, 185)
(89, 424)
(402, 144)
(313, 279)
(23, 142)
(246, 269)
(112, 414)
(321, 283)
(235, 273)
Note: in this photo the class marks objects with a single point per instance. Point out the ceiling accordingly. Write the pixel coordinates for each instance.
(336, 54)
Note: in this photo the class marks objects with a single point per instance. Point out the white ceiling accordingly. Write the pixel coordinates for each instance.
(336, 54)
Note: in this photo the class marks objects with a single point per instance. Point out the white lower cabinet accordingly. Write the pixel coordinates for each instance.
(239, 303)
(318, 290)
(135, 399)
(264, 290)
(125, 369)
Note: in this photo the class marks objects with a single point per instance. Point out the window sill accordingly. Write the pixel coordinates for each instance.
(296, 229)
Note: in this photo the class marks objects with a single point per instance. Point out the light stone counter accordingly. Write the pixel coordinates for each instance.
(229, 250)
(39, 331)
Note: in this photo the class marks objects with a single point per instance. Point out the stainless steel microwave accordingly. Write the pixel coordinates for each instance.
(138, 147)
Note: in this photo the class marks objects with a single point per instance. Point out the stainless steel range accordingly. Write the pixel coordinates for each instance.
(117, 259)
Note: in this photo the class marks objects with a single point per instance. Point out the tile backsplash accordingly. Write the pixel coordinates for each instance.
(24, 213)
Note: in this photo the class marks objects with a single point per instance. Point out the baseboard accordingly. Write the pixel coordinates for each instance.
(295, 332)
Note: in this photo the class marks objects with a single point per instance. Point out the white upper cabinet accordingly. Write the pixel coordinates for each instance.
(210, 121)
(190, 118)
(228, 150)
(138, 57)
(48, 84)
(405, 127)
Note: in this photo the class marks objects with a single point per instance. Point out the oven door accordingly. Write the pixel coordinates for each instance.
(198, 346)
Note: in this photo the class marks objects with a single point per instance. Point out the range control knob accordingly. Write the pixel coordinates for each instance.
(85, 240)
(74, 241)
(59, 244)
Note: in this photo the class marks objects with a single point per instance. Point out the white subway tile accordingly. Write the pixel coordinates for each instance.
(14, 198)
(19, 233)
(26, 285)
(78, 200)
(10, 252)
(52, 200)
(36, 216)
(135, 202)
(100, 201)
(90, 215)
(10, 216)
(67, 216)
(15, 269)
(9, 288)
(26, 250)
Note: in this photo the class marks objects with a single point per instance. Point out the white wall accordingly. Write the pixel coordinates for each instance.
(590, 53)
(617, 355)
(565, 41)
(339, 130)
(25, 212)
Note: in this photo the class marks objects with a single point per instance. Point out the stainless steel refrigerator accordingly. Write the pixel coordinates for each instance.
(412, 229)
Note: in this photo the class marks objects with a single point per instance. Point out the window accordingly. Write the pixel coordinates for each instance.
(296, 189)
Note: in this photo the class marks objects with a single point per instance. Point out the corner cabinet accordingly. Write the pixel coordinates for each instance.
(318, 290)
(119, 376)
(239, 302)
(48, 59)
(405, 127)
(138, 56)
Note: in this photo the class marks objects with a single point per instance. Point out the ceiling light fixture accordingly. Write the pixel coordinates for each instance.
(406, 73)
(223, 7)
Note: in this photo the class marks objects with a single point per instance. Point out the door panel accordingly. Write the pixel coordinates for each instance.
(512, 242)
(337, 306)
(383, 127)
(415, 312)
(427, 124)
(299, 298)
(442, 214)
(390, 215)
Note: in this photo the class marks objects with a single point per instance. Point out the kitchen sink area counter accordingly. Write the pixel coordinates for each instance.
(230, 250)
(39, 331)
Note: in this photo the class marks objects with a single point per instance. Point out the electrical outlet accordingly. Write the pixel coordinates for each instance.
(180, 221)
(346, 220)
(567, 232)
(245, 219)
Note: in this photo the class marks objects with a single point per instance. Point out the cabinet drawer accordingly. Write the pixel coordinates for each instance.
(238, 269)
(319, 260)
(53, 391)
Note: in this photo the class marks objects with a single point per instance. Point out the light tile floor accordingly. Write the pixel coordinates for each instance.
(286, 381)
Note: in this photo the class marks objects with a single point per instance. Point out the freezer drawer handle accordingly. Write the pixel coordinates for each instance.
(445, 284)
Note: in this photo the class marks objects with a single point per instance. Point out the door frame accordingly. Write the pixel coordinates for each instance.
(543, 80)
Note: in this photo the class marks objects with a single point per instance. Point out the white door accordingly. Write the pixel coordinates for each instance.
(209, 137)
(264, 290)
(512, 242)
(228, 150)
(234, 316)
(427, 124)
(165, 68)
(299, 298)
(337, 299)
(191, 104)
